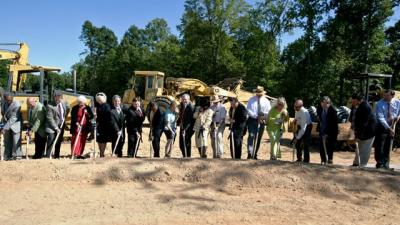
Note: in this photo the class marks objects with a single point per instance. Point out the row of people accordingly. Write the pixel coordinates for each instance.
(207, 119)
(371, 129)
(44, 121)
(203, 121)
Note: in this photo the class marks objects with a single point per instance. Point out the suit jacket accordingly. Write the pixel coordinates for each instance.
(186, 117)
(12, 116)
(240, 117)
(52, 116)
(37, 119)
(74, 119)
(117, 121)
(158, 120)
(364, 121)
(331, 128)
(207, 119)
(134, 122)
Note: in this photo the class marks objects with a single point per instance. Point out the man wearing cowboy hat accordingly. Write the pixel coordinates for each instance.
(217, 126)
(257, 108)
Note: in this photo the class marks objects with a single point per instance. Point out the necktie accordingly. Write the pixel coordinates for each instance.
(139, 112)
(182, 112)
(30, 114)
(258, 106)
(60, 112)
(389, 114)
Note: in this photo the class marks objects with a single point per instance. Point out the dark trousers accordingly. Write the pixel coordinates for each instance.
(120, 145)
(330, 147)
(382, 147)
(156, 142)
(40, 145)
(304, 142)
(254, 129)
(237, 142)
(186, 140)
(132, 141)
(51, 138)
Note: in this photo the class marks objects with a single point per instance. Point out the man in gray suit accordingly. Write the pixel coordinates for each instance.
(57, 111)
(11, 111)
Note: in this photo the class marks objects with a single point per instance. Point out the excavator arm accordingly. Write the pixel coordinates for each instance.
(177, 86)
(5, 54)
(19, 57)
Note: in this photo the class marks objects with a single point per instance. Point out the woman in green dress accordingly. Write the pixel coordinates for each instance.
(276, 119)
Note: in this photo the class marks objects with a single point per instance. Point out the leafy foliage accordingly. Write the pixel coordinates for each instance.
(230, 38)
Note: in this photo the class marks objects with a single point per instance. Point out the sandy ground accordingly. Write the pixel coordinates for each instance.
(197, 191)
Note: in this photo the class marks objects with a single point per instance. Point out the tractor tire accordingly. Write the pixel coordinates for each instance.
(163, 104)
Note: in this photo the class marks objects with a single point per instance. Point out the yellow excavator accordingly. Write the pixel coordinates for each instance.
(18, 70)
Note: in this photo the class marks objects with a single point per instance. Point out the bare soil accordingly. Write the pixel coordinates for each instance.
(197, 191)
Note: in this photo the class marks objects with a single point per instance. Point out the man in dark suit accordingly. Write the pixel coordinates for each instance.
(11, 112)
(156, 118)
(134, 122)
(238, 117)
(56, 113)
(363, 122)
(328, 129)
(186, 124)
(117, 126)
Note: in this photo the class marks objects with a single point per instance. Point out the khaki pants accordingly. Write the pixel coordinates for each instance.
(217, 140)
(364, 147)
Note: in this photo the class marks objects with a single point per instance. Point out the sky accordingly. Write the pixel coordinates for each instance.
(52, 28)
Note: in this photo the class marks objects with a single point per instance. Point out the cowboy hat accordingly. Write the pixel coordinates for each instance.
(259, 90)
(215, 98)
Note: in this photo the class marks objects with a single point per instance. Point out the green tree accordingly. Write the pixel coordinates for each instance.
(206, 30)
(357, 32)
(4, 73)
(258, 42)
(393, 56)
(97, 70)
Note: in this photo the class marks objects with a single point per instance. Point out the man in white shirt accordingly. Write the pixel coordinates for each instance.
(304, 127)
(257, 108)
(217, 126)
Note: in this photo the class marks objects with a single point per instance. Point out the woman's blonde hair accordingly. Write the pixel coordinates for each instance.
(281, 101)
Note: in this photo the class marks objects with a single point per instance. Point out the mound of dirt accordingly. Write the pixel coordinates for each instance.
(194, 191)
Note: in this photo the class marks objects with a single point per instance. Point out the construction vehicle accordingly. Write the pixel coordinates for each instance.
(149, 86)
(20, 68)
(236, 86)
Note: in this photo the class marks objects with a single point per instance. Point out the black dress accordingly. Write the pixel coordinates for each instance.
(103, 121)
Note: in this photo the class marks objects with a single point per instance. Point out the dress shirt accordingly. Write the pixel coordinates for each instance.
(170, 119)
(302, 119)
(252, 106)
(219, 113)
(382, 111)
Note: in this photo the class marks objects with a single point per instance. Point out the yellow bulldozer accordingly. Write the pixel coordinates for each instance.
(151, 86)
(20, 68)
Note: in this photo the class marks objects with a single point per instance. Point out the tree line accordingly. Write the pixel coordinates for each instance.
(232, 38)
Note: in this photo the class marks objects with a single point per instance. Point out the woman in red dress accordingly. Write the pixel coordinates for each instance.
(81, 116)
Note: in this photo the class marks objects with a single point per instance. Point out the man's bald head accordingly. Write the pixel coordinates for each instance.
(298, 104)
(31, 102)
